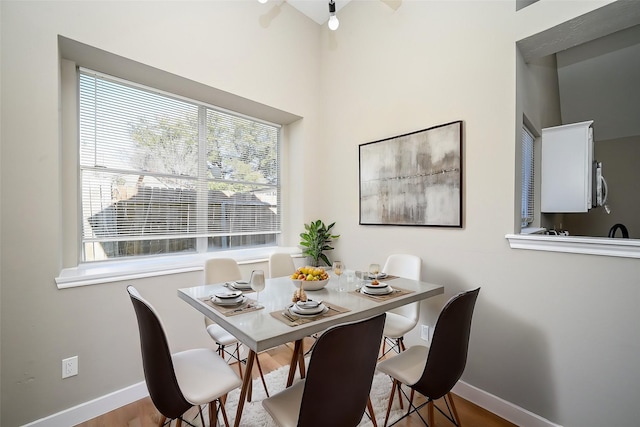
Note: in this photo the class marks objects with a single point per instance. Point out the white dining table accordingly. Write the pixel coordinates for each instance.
(258, 330)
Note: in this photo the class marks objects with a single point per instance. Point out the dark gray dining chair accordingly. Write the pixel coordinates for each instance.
(336, 389)
(179, 381)
(443, 362)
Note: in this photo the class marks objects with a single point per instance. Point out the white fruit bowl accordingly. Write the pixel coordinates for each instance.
(311, 285)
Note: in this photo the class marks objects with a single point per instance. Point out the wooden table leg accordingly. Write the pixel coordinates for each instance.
(246, 383)
(295, 357)
(301, 366)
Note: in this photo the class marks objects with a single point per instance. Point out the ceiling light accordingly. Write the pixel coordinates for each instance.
(333, 20)
(263, 1)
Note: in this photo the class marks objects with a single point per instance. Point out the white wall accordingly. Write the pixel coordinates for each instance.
(241, 47)
(620, 168)
(553, 333)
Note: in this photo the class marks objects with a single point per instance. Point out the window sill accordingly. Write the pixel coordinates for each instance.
(114, 271)
(626, 248)
(533, 230)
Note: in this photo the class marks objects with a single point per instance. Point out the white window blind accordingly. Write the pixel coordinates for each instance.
(528, 201)
(162, 174)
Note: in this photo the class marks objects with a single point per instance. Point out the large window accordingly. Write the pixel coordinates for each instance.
(160, 174)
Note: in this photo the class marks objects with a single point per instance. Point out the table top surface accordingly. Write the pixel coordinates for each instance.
(260, 331)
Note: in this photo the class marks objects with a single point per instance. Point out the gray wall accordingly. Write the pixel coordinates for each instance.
(553, 333)
(620, 168)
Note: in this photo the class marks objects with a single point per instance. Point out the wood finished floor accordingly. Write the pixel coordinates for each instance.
(143, 414)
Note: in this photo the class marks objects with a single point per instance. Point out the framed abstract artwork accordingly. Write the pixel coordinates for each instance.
(413, 179)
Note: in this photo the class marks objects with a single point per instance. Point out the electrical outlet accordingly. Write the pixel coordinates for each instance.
(424, 332)
(69, 367)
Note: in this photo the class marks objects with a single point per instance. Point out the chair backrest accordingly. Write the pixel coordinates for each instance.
(156, 360)
(218, 270)
(409, 266)
(403, 265)
(448, 352)
(281, 264)
(340, 374)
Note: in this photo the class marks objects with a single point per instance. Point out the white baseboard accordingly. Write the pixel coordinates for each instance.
(510, 412)
(94, 408)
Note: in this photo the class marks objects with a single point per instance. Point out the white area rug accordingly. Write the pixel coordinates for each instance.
(254, 415)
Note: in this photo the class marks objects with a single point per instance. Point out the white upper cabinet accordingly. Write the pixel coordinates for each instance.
(566, 169)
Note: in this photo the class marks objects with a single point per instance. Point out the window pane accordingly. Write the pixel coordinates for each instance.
(127, 128)
(154, 181)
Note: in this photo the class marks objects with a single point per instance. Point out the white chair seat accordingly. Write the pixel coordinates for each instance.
(220, 335)
(284, 407)
(408, 366)
(396, 325)
(203, 376)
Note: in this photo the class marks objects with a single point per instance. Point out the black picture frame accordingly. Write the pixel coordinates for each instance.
(413, 179)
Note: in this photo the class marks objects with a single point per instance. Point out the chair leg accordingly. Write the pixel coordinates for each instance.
(453, 409)
(401, 346)
(179, 422)
(201, 414)
(224, 411)
(393, 390)
(372, 414)
(430, 413)
(213, 414)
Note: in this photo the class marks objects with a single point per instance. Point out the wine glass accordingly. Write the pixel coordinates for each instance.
(338, 269)
(350, 280)
(360, 276)
(257, 283)
(374, 270)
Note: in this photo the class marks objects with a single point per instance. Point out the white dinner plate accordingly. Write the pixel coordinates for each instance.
(296, 313)
(308, 304)
(383, 291)
(380, 285)
(229, 302)
(378, 276)
(227, 294)
(241, 285)
(295, 308)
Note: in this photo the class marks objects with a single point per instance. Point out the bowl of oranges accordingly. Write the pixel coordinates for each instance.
(311, 278)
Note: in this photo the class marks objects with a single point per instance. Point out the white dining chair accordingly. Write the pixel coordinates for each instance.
(402, 319)
(220, 270)
(281, 264)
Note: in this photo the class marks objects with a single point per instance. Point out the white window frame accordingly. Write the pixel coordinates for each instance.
(201, 229)
(73, 272)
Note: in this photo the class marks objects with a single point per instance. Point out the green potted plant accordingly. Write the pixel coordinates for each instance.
(317, 239)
